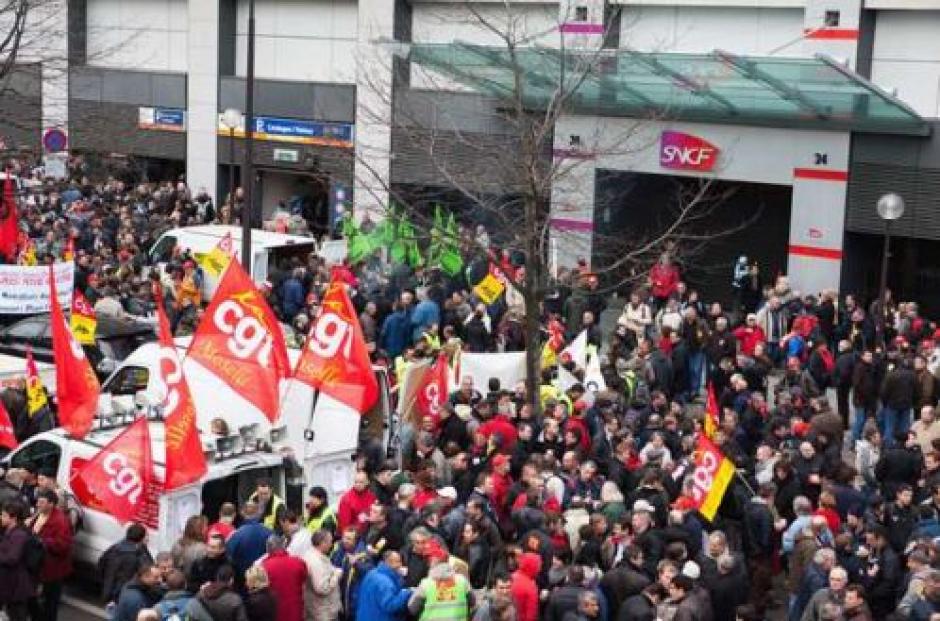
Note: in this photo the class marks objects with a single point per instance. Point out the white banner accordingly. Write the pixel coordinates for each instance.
(508, 367)
(24, 290)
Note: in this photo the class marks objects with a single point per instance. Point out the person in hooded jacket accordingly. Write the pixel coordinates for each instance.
(140, 593)
(525, 592)
(218, 601)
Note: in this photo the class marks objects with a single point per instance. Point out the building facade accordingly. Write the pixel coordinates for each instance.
(149, 81)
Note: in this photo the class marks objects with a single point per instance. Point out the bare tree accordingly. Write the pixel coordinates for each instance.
(499, 159)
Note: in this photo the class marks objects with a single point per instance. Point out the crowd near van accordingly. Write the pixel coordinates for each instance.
(268, 249)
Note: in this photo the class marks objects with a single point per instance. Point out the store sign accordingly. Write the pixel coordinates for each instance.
(290, 156)
(680, 151)
(303, 132)
(162, 119)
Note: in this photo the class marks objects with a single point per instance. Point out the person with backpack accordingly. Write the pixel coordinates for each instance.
(53, 528)
(120, 562)
(18, 562)
(173, 605)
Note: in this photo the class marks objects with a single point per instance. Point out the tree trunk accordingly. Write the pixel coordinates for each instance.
(530, 293)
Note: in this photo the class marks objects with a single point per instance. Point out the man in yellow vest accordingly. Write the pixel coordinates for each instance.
(320, 514)
(271, 507)
(444, 595)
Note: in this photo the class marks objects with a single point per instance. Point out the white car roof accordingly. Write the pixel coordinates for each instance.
(15, 364)
(265, 239)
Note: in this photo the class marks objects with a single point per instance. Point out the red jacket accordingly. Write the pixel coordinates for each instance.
(354, 509)
(500, 424)
(665, 280)
(585, 434)
(56, 535)
(501, 485)
(525, 593)
(287, 575)
(749, 338)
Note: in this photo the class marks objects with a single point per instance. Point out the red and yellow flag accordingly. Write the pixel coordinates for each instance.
(68, 254)
(185, 460)
(36, 398)
(711, 477)
(77, 386)
(240, 341)
(335, 359)
(83, 321)
(712, 413)
(216, 260)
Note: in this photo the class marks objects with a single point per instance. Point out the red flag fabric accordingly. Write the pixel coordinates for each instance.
(185, 461)
(77, 385)
(120, 474)
(712, 413)
(710, 478)
(335, 359)
(433, 391)
(9, 228)
(241, 341)
(7, 433)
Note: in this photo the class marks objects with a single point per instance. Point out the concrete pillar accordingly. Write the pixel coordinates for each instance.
(373, 147)
(571, 220)
(821, 33)
(817, 217)
(202, 95)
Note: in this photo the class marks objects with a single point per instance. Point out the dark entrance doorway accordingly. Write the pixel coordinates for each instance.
(633, 207)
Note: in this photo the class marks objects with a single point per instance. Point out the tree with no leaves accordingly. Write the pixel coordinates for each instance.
(488, 135)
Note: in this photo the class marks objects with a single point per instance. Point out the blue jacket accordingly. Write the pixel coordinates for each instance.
(247, 544)
(134, 598)
(292, 297)
(425, 314)
(382, 596)
(396, 333)
(353, 573)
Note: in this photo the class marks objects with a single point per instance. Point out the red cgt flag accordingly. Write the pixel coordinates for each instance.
(77, 386)
(9, 227)
(433, 391)
(7, 433)
(120, 474)
(185, 461)
(335, 359)
(240, 340)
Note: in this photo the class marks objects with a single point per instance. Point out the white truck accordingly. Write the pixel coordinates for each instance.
(13, 371)
(315, 442)
(267, 249)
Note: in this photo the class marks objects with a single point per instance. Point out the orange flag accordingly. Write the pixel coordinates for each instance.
(185, 461)
(77, 385)
(7, 433)
(241, 341)
(712, 413)
(120, 474)
(335, 359)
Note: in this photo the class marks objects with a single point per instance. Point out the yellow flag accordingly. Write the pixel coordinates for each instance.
(35, 392)
(489, 289)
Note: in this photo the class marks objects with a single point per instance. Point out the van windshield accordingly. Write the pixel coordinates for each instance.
(281, 257)
(162, 251)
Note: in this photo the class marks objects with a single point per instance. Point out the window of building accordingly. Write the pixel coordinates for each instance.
(580, 14)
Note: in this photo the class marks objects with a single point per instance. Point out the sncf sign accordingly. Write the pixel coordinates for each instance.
(680, 151)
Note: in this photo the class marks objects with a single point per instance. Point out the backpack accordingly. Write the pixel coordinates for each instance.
(34, 553)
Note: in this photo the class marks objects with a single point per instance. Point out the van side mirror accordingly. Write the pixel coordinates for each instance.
(106, 366)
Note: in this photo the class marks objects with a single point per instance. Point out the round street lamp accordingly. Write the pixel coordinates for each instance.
(231, 118)
(890, 207)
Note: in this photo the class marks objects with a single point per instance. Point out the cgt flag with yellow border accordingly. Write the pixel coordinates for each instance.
(36, 398)
(711, 477)
(83, 321)
(711, 413)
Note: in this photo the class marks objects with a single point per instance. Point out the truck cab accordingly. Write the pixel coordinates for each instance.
(231, 477)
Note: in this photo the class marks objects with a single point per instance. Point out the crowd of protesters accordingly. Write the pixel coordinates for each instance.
(579, 509)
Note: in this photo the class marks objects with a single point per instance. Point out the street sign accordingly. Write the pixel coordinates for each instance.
(286, 155)
(54, 140)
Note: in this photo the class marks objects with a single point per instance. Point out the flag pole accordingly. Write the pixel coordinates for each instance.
(743, 479)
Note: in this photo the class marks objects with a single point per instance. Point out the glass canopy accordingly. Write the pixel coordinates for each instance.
(719, 87)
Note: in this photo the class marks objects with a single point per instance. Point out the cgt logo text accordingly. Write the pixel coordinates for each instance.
(680, 151)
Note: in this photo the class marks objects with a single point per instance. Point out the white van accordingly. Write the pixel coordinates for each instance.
(267, 249)
(230, 477)
(322, 434)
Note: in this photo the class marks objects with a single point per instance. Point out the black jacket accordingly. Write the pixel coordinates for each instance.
(118, 565)
(563, 600)
(204, 570)
(897, 392)
(637, 608)
(621, 583)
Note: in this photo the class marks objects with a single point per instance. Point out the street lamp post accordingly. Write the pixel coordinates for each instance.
(249, 174)
(231, 118)
(890, 207)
